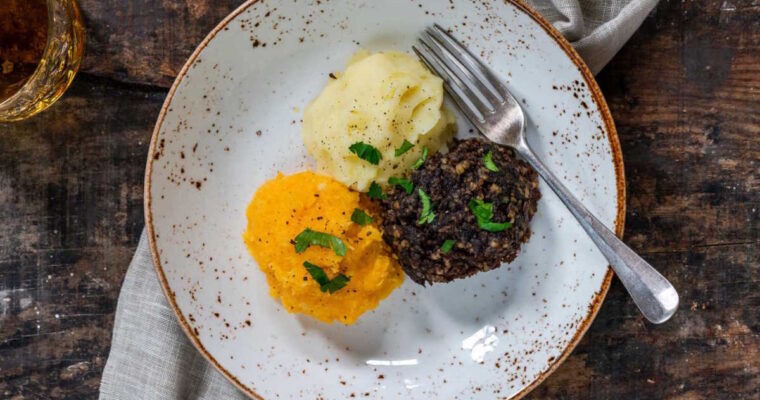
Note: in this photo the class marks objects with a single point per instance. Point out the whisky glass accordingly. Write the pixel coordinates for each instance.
(63, 51)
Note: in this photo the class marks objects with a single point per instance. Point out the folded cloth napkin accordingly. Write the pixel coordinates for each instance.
(150, 356)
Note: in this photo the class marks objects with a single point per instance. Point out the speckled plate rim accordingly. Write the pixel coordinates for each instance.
(617, 159)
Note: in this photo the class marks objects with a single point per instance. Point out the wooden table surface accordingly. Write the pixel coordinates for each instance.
(685, 95)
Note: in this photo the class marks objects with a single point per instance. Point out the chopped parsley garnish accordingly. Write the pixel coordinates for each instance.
(326, 284)
(376, 192)
(421, 160)
(366, 152)
(404, 148)
(317, 273)
(427, 216)
(447, 246)
(488, 162)
(484, 214)
(313, 238)
(335, 284)
(360, 217)
(404, 183)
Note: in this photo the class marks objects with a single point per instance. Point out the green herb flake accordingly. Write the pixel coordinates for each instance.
(404, 148)
(421, 160)
(427, 216)
(404, 183)
(313, 238)
(484, 214)
(488, 162)
(360, 217)
(447, 246)
(335, 284)
(366, 152)
(317, 273)
(481, 209)
(376, 192)
(325, 284)
(491, 226)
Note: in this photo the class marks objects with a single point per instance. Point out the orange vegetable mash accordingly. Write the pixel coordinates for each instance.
(286, 205)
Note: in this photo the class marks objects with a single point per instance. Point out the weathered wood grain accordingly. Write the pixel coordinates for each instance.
(71, 209)
(147, 41)
(685, 94)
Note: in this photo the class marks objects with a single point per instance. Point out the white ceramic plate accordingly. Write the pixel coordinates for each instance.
(232, 120)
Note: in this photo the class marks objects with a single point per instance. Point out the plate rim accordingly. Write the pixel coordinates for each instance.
(617, 159)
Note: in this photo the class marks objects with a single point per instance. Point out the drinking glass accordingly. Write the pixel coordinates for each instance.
(45, 33)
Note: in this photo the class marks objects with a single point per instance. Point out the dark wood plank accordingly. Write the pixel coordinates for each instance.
(685, 93)
(71, 184)
(147, 41)
(710, 350)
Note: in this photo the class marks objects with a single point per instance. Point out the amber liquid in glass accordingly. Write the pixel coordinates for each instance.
(23, 37)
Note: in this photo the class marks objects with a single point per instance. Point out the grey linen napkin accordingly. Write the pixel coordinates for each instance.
(151, 358)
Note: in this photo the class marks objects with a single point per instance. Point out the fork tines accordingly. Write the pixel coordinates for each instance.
(474, 87)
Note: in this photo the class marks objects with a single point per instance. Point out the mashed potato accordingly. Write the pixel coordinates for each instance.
(381, 99)
(281, 209)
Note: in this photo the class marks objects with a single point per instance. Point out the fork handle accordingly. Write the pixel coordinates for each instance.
(653, 294)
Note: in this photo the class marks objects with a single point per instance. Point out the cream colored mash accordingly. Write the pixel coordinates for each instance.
(381, 99)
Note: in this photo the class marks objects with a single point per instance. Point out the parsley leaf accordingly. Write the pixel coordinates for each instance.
(335, 284)
(488, 162)
(360, 217)
(313, 238)
(484, 214)
(491, 226)
(366, 152)
(421, 160)
(447, 246)
(376, 192)
(427, 216)
(481, 209)
(404, 183)
(317, 273)
(404, 148)
(325, 284)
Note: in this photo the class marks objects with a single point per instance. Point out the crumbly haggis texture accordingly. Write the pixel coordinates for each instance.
(451, 180)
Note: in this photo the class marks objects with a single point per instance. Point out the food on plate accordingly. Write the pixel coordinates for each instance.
(377, 119)
(321, 247)
(333, 253)
(461, 213)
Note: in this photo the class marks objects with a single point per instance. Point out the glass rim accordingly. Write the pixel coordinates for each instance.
(73, 17)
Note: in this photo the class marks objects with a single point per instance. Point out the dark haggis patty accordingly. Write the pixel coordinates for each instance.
(452, 180)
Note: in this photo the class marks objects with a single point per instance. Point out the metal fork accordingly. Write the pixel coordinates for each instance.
(486, 102)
